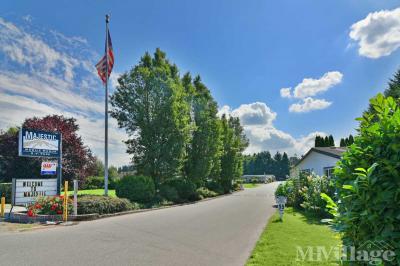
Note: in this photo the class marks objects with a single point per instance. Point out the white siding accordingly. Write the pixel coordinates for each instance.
(315, 162)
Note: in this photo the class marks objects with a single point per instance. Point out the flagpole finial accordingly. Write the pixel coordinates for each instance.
(107, 18)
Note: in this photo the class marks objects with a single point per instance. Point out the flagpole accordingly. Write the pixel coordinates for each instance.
(106, 117)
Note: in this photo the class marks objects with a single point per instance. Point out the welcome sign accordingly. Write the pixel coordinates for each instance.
(37, 143)
(25, 191)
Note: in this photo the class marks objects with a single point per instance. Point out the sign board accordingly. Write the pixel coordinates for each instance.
(37, 143)
(48, 168)
(281, 201)
(25, 191)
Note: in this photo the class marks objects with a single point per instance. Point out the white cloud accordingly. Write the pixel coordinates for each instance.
(257, 120)
(255, 114)
(309, 104)
(224, 110)
(310, 87)
(378, 34)
(39, 77)
(286, 92)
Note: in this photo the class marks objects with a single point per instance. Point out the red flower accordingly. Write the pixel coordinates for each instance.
(30, 213)
(59, 212)
(38, 206)
(53, 207)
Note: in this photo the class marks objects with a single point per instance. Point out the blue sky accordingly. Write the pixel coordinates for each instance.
(334, 55)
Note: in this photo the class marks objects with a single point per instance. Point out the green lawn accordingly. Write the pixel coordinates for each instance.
(250, 185)
(111, 192)
(279, 241)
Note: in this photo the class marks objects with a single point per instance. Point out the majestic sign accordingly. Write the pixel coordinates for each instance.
(25, 191)
(48, 168)
(37, 143)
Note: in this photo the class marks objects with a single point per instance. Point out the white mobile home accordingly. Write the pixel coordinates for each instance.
(318, 160)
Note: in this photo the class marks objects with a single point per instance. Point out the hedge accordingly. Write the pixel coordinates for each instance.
(88, 204)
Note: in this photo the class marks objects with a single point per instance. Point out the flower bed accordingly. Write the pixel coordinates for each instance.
(52, 206)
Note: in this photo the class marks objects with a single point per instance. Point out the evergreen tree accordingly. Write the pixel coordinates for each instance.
(285, 165)
(150, 103)
(351, 139)
(331, 141)
(342, 143)
(326, 142)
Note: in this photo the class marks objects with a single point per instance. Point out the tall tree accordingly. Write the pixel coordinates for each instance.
(205, 148)
(78, 161)
(234, 142)
(150, 103)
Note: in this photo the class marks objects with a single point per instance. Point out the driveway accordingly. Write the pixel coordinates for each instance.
(221, 231)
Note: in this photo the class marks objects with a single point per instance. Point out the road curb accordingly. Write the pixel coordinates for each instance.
(19, 217)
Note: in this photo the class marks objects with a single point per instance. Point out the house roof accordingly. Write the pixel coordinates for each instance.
(335, 152)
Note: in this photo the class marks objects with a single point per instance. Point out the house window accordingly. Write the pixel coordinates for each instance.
(328, 171)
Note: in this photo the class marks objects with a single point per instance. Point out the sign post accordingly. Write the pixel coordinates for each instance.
(75, 197)
(65, 216)
(281, 201)
(3, 206)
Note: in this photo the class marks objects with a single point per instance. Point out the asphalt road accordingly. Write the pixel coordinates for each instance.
(221, 231)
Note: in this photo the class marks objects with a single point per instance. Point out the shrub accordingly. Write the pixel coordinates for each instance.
(88, 204)
(5, 191)
(237, 185)
(185, 188)
(305, 192)
(169, 193)
(206, 193)
(48, 206)
(93, 182)
(368, 179)
(215, 186)
(97, 182)
(311, 195)
(136, 188)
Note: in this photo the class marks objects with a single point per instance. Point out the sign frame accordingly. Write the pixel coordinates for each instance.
(58, 155)
(39, 152)
(46, 181)
(51, 165)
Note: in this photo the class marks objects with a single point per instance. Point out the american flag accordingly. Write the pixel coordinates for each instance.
(101, 66)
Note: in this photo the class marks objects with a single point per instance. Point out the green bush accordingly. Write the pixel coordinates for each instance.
(305, 192)
(93, 182)
(88, 204)
(215, 186)
(136, 188)
(369, 200)
(185, 188)
(97, 182)
(169, 193)
(206, 193)
(5, 191)
(311, 195)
